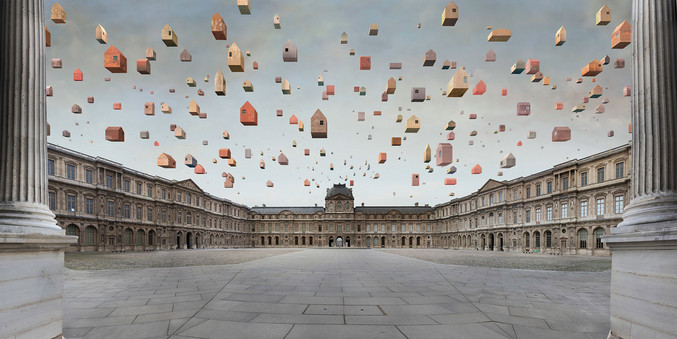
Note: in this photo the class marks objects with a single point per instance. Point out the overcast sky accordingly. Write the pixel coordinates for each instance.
(315, 27)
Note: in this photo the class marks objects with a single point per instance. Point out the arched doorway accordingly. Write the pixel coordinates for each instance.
(151, 236)
(347, 241)
(411, 242)
(178, 240)
(383, 242)
(331, 241)
(491, 241)
(483, 242)
(339, 242)
(500, 241)
(189, 240)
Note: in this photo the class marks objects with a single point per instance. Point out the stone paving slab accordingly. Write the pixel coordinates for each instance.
(335, 293)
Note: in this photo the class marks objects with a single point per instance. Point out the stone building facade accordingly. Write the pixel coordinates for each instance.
(563, 210)
(114, 208)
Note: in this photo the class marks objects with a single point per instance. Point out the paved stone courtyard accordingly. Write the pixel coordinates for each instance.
(335, 293)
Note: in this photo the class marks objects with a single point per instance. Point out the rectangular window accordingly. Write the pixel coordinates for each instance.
(584, 208)
(368, 228)
(548, 213)
(600, 206)
(52, 201)
(565, 210)
(514, 216)
(125, 185)
(600, 174)
(70, 203)
(89, 176)
(528, 192)
(178, 196)
(500, 197)
(50, 167)
(138, 188)
(538, 214)
(111, 208)
(109, 181)
(393, 229)
(618, 204)
(514, 195)
(538, 190)
(619, 170)
(178, 218)
(527, 215)
(565, 183)
(150, 214)
(150, 191)
(549, 187)
(500, 218)
(127, 211)
(139, 213)
(584, 178)
(164, 216)
(164, 194)
(89, 205)
(70, 172)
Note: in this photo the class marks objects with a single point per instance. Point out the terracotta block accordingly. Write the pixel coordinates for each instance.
(477, 169)
(450, 181)
(114, 60)
(166, 161)
(117, 106)
(382, 158)
(143, 66)
(561, 134)
(224, 153)
(396, 141)
(365, 63)
(115, 134)
(414, 179)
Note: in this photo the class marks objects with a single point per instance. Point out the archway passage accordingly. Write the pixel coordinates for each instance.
(331, 241)
(347, 241)
(339, 242)
(189, 241)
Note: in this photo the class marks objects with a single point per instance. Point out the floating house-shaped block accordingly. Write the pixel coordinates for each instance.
(429, 58)
(56, 63)
(560, 134)
(224, 153)
(318, 125)
(599, 109)
(499, 35)
(458, 84)
(282, 159)
(418, 94)
(427, 152)
(490, 56)
(444, 154)
(537, 77)
(143, 66)
(450, 181)
(247, 86)
(392, 85)
(150, 54)
(413, 125)
(219, 29)
(244, 6)
(248, 115)
(603, 16)
(76, 109)
(561, 36)
(415, 179)
(531, 135)
(115, 133)
(235, 59)
(48, 38)
(578, 108)
(114, 60)
(373, 29)
(149, 108)
(101, 35)
(596, 92)
(619, 63)
(450, 14)
(533, 66)
(621, 36)
(276, 22)
(190, 161)
(164, 108)
(179, 133)
(289, 52)
(396, 141)
(523, 108)
(518, 67)
(169, 37)
(627, 91)
(193, 108)
(219, 83)
(344, 38)
(77, 75)
(477, 169)
(480, 88)
(365, 63)
(395, 65)
(286, 87)
(382, 157)
(185, 56)
(57, 14)
(166, 161)
(592, 69)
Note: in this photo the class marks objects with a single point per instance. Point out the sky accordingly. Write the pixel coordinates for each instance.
(315, 27)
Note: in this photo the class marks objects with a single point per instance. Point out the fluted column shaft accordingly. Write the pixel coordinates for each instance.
(654, 115)
(23, 142)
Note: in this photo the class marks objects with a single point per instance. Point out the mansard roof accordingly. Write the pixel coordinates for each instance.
(339, 189)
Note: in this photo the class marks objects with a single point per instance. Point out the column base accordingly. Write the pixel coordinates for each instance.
(644, 279)
(31, 284)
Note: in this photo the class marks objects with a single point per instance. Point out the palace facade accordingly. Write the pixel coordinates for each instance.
(562, 210)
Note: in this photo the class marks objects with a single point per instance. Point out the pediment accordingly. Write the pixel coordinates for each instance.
(489, 185)
(190, 184)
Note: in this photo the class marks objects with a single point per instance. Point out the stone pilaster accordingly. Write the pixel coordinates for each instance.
(31, 244)
(644, 245)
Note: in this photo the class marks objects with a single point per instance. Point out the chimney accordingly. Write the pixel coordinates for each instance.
(362, 204)
(426, 205)
(264, 205)
(416, 204)
(315, 204)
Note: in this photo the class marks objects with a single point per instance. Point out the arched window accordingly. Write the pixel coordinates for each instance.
(90, 235)
(599, 232)
(338, 206)
(331, 206)
(548, 239)
(128, 237)
(537, 239)
(71, 230)
(140, 234)
(583, 238)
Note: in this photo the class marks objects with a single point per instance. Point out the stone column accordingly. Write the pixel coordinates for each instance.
(31, 244)
(644, 245)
